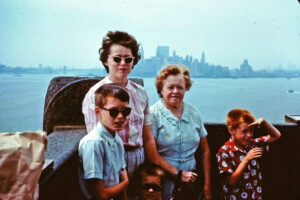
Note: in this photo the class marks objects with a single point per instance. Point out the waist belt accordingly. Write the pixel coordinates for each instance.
(131, 148)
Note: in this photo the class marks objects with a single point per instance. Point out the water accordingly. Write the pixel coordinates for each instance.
(22, 98)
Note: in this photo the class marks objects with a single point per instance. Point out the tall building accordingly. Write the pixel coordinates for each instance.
(246, 69)
(203, 58)
(142, 54)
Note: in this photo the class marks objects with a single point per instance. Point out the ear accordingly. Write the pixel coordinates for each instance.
(97, 111)
(231, 130)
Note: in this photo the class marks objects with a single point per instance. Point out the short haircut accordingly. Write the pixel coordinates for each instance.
(237, 116)
(110, 89)
(148, 169)
(172, 70)
(121, 38)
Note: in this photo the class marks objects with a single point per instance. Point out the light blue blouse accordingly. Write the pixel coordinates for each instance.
(177, 139)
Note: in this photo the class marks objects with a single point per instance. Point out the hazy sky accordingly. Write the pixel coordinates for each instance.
(69, 32)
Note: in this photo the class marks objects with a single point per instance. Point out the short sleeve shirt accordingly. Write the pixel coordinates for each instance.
(101, 156)
(177, 140)
(250, 184)
(139, 117)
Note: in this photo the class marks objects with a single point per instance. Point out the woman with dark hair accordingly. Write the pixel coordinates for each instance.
(179, 132)
(119, 53)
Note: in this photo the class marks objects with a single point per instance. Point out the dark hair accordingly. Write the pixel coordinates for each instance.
(147, 169)
(172, 70)
(237, 116)
(121, 38)
(110, 89)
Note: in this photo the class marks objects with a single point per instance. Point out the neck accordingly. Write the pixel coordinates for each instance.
(177, 108)
(121, 82)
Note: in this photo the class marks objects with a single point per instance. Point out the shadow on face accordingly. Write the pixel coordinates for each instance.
(150, 188)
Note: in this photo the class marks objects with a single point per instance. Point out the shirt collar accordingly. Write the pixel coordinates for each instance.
(104, 132)
(232, 146)
(171, 117)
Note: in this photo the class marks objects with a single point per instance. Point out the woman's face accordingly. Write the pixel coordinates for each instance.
(173, 90)
(119, 62)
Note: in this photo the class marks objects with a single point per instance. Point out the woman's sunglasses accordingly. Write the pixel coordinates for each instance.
(153, 186)
(113, 112)
(118, 59)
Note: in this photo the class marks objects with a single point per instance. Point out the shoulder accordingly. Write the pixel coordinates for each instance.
(191, 109)
(155, 107)
(91, 138)
(223, 149)
(137, 89)
(99, 84)
(192, 113)
(94, 88)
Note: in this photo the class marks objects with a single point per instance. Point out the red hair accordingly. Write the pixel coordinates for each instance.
(237, 116)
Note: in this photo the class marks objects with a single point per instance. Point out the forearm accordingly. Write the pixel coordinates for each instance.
(151, 152)
(206, 166)
(237, 174)
(273, 133)
(154, 157)
(105, 193)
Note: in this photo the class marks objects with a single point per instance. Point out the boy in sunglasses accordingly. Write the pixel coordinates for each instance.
(101, 152)
(149, 179)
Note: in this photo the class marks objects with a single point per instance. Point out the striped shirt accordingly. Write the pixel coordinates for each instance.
(138, 118)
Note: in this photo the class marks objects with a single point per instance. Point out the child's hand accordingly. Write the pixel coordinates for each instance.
(188, 177)
(254, 153)
(123, 175)
(259, 122)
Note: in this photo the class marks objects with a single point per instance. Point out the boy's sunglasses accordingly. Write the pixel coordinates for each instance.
(118, 59)
(153, 186)
(113, 112)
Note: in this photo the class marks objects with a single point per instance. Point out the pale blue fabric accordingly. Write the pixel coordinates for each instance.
(177, 140)
(101, 156)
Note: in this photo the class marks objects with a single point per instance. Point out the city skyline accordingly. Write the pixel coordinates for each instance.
(58, 33)
(149, 67)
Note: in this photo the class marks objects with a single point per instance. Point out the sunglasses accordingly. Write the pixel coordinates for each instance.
(153, 186)
(113, 112)
(118, 59)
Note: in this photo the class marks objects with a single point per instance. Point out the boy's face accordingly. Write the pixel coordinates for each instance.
(112, 124)
(150, 186)
(242, 135)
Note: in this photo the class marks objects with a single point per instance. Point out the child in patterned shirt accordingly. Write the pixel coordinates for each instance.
(237, 158)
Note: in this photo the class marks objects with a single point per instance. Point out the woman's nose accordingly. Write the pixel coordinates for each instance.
(123, 62)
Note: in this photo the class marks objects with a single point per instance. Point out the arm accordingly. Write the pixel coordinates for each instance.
(237, 174)
(273, 133)
(154, 157)
(99, 191)
(205, 156)
(151, 152)
(90, 117)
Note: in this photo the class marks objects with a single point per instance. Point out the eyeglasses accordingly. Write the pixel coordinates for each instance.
(113, 112)
(153, 186)
(117, 59)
